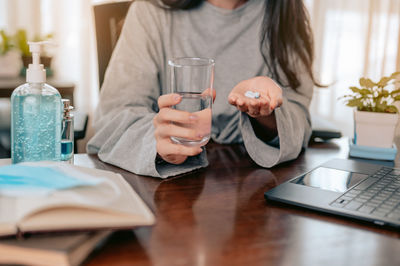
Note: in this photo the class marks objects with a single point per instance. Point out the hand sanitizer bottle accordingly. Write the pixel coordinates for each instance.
(36, 114)
(67, 133)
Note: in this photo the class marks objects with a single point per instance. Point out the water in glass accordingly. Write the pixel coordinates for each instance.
(200, 105)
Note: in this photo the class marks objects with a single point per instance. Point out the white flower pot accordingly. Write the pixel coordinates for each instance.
(375, 129)
(10, 64)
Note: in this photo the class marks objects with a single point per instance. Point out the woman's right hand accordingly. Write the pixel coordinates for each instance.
(167, 123)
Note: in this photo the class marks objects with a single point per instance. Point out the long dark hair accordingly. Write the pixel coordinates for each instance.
(286, 37)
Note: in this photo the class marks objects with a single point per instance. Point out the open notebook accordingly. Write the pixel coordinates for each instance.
(110, 204)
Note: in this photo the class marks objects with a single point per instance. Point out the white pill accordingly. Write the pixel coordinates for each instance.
(252, 94)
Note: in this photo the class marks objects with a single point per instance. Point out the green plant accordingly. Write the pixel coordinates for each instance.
(21, 40)
(5, 42)
(375, 97)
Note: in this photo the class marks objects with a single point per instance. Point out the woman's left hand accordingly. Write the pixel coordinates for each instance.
(270, 96)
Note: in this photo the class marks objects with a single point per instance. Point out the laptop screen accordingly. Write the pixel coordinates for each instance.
(329, 179)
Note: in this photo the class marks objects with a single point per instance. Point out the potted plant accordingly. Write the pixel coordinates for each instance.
(22, 44)
(10, 62)
(375, 115)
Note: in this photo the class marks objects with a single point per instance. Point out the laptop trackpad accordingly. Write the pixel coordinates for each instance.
(330, 179)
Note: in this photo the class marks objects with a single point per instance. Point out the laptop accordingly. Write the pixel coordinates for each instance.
(348, 188)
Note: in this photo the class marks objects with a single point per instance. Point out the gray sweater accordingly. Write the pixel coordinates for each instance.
(137, 74)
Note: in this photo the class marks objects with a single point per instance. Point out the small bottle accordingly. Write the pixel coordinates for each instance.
(67, 133)
(36, 114)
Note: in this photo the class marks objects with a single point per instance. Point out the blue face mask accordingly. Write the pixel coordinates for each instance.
(44, 179)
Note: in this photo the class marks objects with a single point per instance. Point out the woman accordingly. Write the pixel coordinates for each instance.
(255, 43)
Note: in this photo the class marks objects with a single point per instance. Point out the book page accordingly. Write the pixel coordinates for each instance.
(8, 219)
(111, 203)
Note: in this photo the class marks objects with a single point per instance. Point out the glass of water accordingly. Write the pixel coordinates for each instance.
(193, 79)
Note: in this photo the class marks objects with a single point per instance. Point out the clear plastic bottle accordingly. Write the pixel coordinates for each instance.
(36, 114)
(67, 133)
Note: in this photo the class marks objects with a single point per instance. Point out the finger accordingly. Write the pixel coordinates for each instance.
(214, 95)
(280, 101)
(210, 92)
(254, 108)
(174, 159)
(168, 100)
(276, 99)
(275, 103)
(238, 99)
(167, 130)
(167, 115)
(166, 147)
(241, 105)
(265, 108)
(232, 99)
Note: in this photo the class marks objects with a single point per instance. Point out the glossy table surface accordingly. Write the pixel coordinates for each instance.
(218, 216)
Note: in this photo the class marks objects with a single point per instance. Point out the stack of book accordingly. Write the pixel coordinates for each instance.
(49, 250)
(64, 227)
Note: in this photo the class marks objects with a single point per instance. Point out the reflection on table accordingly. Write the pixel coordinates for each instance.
(218, 216)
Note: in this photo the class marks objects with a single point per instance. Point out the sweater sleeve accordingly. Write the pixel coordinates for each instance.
(128, 101)
(293, 123)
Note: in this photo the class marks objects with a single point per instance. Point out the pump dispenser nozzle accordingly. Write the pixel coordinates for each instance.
(36, 72)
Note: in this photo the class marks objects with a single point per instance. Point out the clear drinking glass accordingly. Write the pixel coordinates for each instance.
(193, 79)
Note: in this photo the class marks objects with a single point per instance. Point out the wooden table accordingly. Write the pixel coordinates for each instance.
(218, 216)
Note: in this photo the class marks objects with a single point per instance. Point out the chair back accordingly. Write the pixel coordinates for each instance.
(109, 18)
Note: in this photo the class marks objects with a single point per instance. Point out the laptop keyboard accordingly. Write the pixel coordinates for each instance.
(379, 195)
